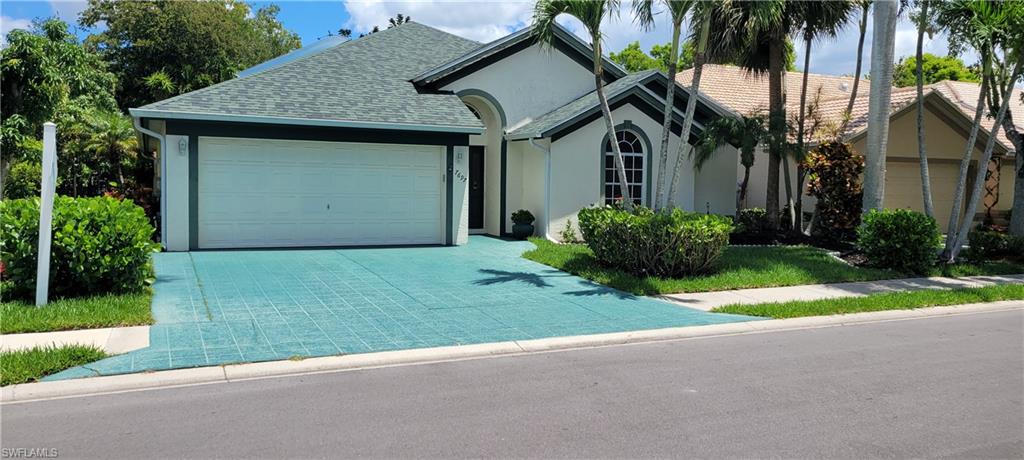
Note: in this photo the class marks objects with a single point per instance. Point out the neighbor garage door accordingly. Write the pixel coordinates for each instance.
(903, 187)
(264, 193)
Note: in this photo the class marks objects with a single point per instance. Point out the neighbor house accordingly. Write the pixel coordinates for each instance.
(413, 136)
(949, 111)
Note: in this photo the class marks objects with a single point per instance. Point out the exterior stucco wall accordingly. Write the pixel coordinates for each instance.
(577, 167)
(529, 83)
(715, 183)
(176, 194)
(533, 176)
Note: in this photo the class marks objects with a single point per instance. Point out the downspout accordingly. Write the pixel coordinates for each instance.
(547, 187)
(163, 176)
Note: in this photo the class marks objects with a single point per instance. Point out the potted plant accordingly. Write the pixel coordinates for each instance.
(523, 224)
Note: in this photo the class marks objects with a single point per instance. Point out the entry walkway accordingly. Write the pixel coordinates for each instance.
(707, 301)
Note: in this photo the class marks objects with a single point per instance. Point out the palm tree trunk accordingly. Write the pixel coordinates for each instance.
(797, 226)
(691, 109)
(776, 128)
(620, 166)
(743, 187)
(666, 127)
(883, 47)
(979, 179)
(1017, 139)
(965, 164)
(860, 60)
(926, 185)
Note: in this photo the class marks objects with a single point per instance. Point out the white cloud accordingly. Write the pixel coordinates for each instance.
(476, 20)
(68, 10)
(8, 24)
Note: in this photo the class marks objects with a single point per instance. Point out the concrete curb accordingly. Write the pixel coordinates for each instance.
(240, 372)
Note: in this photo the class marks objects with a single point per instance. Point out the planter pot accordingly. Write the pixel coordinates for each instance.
(522, 231)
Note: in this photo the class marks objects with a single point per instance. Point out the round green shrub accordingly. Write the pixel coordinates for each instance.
(899, 239)
(100, 245)
(986, 244)
(644, 242)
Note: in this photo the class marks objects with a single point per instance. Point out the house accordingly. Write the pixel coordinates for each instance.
(412, 136)
(949, 112)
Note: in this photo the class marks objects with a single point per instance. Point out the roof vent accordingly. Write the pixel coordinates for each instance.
(844, 86)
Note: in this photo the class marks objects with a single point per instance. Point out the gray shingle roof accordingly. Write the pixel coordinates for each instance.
(580, 106)
(362, 81)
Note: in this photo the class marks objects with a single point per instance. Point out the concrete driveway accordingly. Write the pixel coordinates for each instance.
(219, 307)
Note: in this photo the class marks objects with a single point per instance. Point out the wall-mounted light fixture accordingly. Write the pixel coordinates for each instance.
(183, 146)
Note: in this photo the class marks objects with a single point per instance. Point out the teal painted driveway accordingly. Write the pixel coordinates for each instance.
(220, 307)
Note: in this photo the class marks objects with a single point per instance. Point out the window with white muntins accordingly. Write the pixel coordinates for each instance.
(633, 156)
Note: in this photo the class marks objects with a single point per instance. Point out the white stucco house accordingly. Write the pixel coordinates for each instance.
(411, 136)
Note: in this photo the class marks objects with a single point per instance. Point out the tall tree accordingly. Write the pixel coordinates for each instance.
(995, 29)
(591, 13)
(162, 48)
(924, 25)
(635, 59)
(820, 20)
(45, 70)
(865, 8)
(933, 68)
(883, 43)
(645, 16)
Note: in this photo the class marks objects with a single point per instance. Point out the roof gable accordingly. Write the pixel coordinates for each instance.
(363, 81)
(564, 41)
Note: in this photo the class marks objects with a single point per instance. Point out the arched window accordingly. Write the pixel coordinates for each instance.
(632, 149)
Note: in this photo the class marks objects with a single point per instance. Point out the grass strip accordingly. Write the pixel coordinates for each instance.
(30, 365)
(879, 302)
(78, 313)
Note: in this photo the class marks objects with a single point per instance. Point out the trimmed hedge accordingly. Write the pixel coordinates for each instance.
(643, 242)
(984, 244)
(899, 239)
(100, 245)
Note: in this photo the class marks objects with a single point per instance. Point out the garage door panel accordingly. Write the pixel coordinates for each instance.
(296, 193)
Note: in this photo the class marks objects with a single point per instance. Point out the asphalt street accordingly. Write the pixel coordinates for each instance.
(939, 387)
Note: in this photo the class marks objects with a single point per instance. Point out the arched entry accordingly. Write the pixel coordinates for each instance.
(487, 164)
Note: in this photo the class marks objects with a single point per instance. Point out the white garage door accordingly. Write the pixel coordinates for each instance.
(264, 193)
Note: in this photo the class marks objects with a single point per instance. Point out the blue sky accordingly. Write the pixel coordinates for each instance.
(478, 20)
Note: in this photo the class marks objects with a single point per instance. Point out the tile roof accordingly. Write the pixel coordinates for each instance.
(720, 82)
(366, 80)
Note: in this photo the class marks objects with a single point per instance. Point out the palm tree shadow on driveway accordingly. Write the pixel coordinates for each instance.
(538, 280)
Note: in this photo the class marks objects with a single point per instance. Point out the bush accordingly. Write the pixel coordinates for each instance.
(833, 177)
(644, 242)
(23, 180)
(1015, 246)
(900, 239)
(752, 227)
(522, 216)
(100, 245)
(568, 233)
(986, 244)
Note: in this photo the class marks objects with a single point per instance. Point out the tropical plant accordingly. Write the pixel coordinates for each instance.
(591, 13)
(820, 20)
(111, 135)
(398, 20)
(883, 43)
(745, 132)
(996, 31)
(834, 172)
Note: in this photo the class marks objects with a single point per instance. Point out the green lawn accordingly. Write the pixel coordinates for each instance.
(80, 313)
(30, 365)
(878, 302)
(740, 267)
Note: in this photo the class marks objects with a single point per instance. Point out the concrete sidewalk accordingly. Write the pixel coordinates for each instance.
(113, 340)
(709, 300)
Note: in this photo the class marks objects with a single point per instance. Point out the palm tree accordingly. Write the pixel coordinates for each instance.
(865, 7)
(590, 13)
(996, 31)
(747, 132)
(757, 30)
(111, 135)
(883, 45)
(820, 19)
(924, 24)
(644, 11)
(701, 16)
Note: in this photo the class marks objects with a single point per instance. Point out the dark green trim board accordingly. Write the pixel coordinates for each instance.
(193, 192)
(628, 125)
(450, 231)
(312, 133)
(503, 199)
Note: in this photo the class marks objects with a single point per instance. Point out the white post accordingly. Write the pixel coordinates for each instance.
(47, 189)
